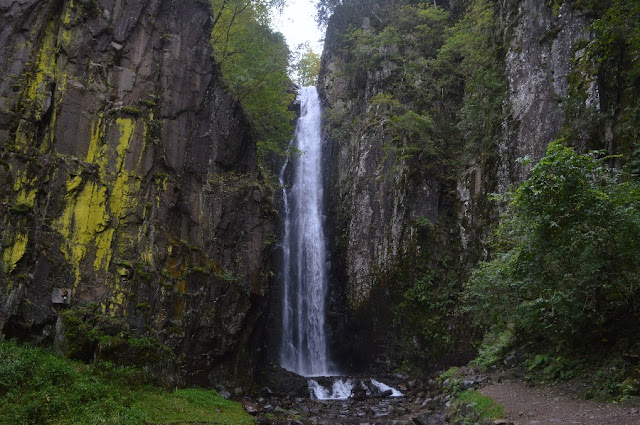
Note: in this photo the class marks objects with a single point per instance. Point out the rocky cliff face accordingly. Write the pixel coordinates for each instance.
(411, 225)
(540, 57)
(128, 181)
(541, 51)
(374, 198)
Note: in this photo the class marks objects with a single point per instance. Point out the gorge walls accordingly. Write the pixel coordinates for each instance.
(128, 179)
(135, 223)
(428, 111)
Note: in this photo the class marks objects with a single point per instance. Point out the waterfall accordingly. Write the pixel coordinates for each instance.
(304, 344)
(304, 279)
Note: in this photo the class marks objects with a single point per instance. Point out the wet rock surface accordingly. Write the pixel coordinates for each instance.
(390, 410)
(435, 402)
(424, 402)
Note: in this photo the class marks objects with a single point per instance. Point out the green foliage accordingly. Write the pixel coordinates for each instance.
(612, 59)
(552, 367)
(448, 374)
(407, 132)
(254, 61)
(92, 335)
(424, 313)
(614, 379)
(495, 346)
(483, 405)
(604, 377)
(400, 51)
(38, 387)
(306, 66)
(568, 256)
(470, 67)
(429, 74)
(401, 114)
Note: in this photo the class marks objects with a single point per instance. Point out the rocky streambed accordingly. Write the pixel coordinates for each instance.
(292, 400)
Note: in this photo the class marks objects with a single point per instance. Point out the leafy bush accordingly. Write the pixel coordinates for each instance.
(494, 347)
(568, 256)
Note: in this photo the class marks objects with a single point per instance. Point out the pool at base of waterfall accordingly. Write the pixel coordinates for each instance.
(345, 388)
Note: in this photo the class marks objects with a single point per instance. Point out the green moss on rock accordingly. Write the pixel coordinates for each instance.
(91, 335)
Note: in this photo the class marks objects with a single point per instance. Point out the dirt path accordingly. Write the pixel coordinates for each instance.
(542, 405)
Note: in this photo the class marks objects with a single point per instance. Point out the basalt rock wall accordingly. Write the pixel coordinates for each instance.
(407, 227)
(129, 190)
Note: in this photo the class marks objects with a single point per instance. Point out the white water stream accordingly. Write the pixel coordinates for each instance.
(304, 342)
(341, 388)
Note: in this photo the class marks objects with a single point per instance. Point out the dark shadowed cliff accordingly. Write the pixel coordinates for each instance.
(133, 215)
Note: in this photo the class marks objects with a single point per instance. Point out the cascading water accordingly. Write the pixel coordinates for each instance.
(304, 345)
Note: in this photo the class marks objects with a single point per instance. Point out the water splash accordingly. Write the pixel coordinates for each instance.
(382, 387)
(304, 343)
(341, 389)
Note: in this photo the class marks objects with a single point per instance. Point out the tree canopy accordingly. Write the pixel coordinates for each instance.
(254, 61)
(305, 66)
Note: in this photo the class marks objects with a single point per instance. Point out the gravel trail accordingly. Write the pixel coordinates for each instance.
(542, 405)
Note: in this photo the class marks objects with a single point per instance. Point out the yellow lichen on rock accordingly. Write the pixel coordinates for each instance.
(14, 253)
(38, 94)
(96, 146)
(127, 184)
(147, 256)
(127, 127)
(85, 224)
(61, 86)
(123, 198)
(44, 70)
(25, 189)
(66, 19)
(65, 34)
(95, 208)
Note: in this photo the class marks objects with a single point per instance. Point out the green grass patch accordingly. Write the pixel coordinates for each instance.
(39, 387)
(197, 404)
(484, 406)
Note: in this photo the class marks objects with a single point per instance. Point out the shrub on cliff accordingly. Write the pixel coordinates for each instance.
(567, 258)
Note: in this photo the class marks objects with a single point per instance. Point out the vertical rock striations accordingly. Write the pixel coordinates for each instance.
(423, 123)
(540, 57)
(128, 177)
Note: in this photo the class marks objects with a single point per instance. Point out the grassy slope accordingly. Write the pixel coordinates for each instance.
(38, 387)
